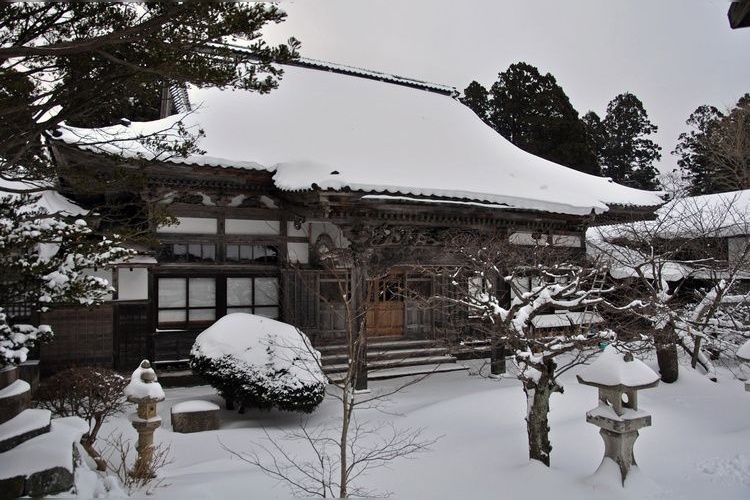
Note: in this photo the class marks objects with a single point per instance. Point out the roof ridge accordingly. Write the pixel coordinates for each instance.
(376, 75)
(344, 69)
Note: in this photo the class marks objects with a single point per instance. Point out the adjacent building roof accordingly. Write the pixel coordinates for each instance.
(718, 215)
(331, 128)
(739, 14)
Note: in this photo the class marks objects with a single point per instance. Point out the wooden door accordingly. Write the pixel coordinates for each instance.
(386, 311)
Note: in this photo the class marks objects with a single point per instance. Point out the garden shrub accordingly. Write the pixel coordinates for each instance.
(91, 393)
(259, 363)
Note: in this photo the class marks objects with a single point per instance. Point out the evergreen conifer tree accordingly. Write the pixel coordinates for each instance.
(89, 63)
(714, 155)
(533, 112)
(625, 152)
(476, 98)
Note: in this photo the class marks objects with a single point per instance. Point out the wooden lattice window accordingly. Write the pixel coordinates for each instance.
(186, 302)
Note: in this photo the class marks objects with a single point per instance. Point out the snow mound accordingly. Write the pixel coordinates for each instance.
(734, 469)
(260, 362)
(744, 352)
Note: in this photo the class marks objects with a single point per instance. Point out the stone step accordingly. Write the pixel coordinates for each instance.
(180, 378)
(26, 425)
(376, 355)
(8, 375)
(379, 345)
(14, 399)
(407, 371)
(43, 465)
(373, 366)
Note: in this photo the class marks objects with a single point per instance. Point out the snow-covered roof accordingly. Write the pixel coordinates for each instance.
(712, 215)
(708, 216)
(49, 200)
(331, 130)
(719, 215)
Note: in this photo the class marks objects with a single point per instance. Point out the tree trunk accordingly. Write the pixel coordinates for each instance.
(346, 418)
(538, 394)
(666, 354)
(88, 445)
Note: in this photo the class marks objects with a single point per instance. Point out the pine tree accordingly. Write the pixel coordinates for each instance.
(595, 134)
(476, 98)
(533, 112)
(88, 63)
(627, 154)
(714, 155)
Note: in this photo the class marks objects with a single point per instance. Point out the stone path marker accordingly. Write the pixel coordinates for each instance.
(146, 392)
(618, 377)
(744, 354)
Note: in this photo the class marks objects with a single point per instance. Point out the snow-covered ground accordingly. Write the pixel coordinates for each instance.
(697, 448)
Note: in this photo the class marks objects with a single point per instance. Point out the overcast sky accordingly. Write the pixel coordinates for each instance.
(673, 54)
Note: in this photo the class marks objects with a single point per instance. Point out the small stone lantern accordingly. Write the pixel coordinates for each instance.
(744, 354)
(618, 377)
(144, 391)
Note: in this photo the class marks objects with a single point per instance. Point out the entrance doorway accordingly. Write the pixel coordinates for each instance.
(386, 310)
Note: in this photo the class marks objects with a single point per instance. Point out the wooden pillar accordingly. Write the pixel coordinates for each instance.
(497, 358)
(361, 254)
(358, 337)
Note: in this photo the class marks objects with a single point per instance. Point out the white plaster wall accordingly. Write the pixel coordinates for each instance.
(247, 226)
(302, 232)
(524, 239)
(332, 230)
(132, 284)
(298, 253)
(566, 240)
(191, 225)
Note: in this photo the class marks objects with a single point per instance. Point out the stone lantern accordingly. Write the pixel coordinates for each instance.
(618, 377)
(144, 391)
(744, 354)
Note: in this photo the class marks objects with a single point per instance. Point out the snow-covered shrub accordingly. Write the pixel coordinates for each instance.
(260, 362)
(17, 340)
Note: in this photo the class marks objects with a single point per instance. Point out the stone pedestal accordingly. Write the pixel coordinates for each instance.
(744, 354)
(195, 416)
(146, 392)
(619, 432)
(618, 377)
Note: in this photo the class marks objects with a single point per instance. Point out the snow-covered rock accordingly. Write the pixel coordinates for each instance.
(260, 362)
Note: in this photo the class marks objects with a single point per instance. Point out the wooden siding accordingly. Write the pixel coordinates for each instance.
(173, 346)
(133, 340)
(83, 336)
